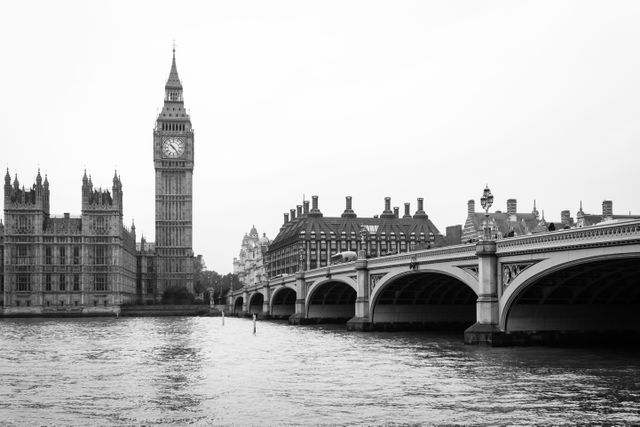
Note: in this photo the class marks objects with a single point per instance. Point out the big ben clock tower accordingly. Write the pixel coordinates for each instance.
(173, 161)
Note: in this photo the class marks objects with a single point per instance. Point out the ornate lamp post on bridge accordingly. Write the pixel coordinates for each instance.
(486, 201)
(362, 254)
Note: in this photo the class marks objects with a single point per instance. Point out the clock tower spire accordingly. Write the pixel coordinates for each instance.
(173, 158)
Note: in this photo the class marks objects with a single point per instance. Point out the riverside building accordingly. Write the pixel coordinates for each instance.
(308, 239)
(90, 263)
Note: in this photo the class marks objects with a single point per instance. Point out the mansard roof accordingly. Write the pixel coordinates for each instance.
(290, 232)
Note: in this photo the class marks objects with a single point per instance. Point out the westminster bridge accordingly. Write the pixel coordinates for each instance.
(521, 289)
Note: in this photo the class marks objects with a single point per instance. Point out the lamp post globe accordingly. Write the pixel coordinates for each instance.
(486, 201)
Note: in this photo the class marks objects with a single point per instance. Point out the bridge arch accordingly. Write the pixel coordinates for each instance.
(256, 301)
(237, 305)
(283, 302)
(331, 300)
(589, 293)
(424, 299)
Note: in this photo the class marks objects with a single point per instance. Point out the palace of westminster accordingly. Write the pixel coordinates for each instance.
(93, 264)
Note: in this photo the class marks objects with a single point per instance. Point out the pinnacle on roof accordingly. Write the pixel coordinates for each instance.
(173, 81)
(39, 178)
(7, 177)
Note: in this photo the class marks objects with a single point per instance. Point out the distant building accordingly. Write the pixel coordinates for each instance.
(84, 264)
(584, 219)
(249, 266)
(511, 223)
(307, 239)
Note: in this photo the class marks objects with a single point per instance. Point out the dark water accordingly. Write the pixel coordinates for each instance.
(195, 371)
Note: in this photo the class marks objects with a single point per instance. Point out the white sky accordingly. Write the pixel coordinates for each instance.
(541, 100)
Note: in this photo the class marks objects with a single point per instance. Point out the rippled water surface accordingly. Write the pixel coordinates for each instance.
(193, 370)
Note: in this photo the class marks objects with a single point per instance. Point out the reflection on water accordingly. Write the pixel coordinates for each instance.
(196, 371)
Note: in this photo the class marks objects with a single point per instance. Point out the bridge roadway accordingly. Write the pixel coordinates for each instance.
(543, 287)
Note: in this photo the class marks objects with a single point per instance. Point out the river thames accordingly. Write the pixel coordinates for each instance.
(195, 371)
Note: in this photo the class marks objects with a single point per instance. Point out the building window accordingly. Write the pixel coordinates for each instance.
(100, 225)
(62, 285)
(101, 283)
(100, 255)
(47, 255)
(48, 303)
(61, 303)
(23, 282)
(105, 303)
(76, 255)
(76, 282)
(403, 246)
(63, 255)
(28, 303)
(75, 303)
(47, 282)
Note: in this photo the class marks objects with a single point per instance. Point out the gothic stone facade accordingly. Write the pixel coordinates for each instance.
(173, 156)
(91, 264)
(250, 266)
(83, 264)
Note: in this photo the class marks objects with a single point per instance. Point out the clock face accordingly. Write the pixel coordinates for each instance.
(173, 147)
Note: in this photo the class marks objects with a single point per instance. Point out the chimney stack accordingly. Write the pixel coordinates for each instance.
(512, 208)
(348, 211)
(299, 209)
(286, 218)
(420, 212)
(293, 214)
(471, 207)
(407, 210)
(315, 212)
(565, 218)
(387, 213)
(306, 207)
(396, 212)
(607, 210)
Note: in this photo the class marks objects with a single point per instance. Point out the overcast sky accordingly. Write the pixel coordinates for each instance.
(540, 100)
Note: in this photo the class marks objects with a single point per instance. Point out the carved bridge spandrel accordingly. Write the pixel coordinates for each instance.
(621, 233)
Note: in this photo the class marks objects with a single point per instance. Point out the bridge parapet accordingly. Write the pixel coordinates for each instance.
(599, 235)
(436, 255)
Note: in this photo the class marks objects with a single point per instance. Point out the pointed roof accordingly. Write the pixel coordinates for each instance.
(173, 81)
